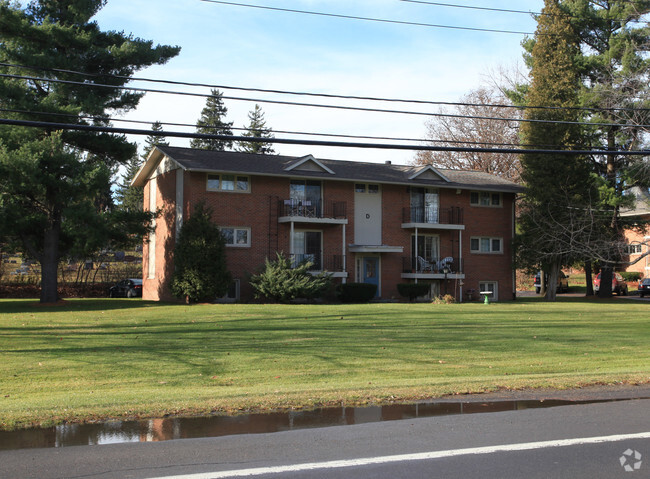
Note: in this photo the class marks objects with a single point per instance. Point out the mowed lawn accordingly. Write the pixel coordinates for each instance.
(99, 359)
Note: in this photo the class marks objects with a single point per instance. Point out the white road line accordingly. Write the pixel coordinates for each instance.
(366, 461)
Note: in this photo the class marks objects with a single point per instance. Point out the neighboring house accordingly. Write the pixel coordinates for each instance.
(362, 222)
(639, 241)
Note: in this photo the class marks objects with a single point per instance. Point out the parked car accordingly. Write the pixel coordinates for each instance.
(562, 282)
(127, 288)
(619, 286)
(644, 286)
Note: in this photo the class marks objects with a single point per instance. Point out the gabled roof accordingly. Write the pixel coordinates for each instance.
(309, 163)
(209, 161)
(642, 202)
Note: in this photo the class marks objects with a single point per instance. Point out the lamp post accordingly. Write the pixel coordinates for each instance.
(446, 270)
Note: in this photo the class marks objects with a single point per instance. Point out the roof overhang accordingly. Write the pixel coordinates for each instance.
(156, 156)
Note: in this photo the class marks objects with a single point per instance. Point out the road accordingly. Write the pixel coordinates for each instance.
(577, 441)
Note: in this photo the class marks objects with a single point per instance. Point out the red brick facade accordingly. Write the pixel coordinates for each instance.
(259, 211)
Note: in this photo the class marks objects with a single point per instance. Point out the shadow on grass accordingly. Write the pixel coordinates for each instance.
(73, 305)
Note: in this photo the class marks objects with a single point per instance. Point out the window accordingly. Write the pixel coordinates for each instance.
(240, 184)
(427, 247)
(236, 237)
(365, 188)
(424, 205)
(634, 248)
(485, 198)
(491, 286)
(307, 247)
(486, 245)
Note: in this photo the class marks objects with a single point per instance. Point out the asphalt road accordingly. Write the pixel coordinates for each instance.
(578, 441)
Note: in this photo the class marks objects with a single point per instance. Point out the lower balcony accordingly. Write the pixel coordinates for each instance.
(432, 268)
(327, 263)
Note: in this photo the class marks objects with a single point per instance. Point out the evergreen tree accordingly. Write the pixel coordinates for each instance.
(49, 182)
(557, 185)
(212, 123)
(257, 129)
(153, 140)
(200, 259)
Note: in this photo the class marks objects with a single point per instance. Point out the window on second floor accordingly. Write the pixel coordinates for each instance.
(485, 198)
(484, 244)
(236, 237)
(234, 183)
(634, 249)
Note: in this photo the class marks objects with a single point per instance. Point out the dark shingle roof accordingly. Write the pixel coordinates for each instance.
(276, 165)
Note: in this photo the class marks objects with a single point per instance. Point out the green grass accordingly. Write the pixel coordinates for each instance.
(98, 359)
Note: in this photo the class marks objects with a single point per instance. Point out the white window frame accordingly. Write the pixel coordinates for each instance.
(480, 242)
(236, 229)
(490, 199)
(634, 249)
(236, 179)
(495, 288)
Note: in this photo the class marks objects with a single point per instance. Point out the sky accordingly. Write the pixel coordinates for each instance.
(234, 46)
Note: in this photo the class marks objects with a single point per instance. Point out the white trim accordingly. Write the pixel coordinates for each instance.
(429, 168)
(304, 160)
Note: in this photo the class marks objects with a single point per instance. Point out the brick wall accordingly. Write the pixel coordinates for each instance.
(258, 210)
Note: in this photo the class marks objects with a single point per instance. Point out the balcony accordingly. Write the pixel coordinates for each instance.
(433, 218)
(432, 268)
(332, 263)
(331, 212)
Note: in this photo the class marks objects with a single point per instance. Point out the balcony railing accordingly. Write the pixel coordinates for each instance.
(330, 262)
(445, 216)
(312, 209)
(422, 265)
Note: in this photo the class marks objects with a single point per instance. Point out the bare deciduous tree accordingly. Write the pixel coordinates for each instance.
(479, 120)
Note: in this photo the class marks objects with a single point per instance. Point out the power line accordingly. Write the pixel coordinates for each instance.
(289, 141)
(271, 130)
(320, 95)
(368, 19)
(317, 105)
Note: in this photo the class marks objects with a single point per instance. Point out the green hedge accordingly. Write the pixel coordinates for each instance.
(356, 292)
(413, 290)
(631, 276)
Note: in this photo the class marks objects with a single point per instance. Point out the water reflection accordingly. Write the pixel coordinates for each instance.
(213, 426)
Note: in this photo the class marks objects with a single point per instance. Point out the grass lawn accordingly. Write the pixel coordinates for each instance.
(97, 359)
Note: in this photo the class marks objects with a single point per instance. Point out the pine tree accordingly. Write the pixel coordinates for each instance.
(256, 129)
(153, 140)
(212, 122)
(49, 182)
(558, 185)
(199, 258)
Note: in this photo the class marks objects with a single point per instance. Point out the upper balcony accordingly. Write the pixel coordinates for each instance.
(323, 212)
(433, 218)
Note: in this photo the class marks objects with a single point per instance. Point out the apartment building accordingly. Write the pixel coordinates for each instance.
(364, 222)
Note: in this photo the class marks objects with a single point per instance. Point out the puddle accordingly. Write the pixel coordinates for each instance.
(213, 426)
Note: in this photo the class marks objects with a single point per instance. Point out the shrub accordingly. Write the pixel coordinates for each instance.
(199, 257)
(412, 290)
(446, 299)
(356, 292)
(631, 276)
(281, 281)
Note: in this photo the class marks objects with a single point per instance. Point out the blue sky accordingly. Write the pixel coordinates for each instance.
(236, 46)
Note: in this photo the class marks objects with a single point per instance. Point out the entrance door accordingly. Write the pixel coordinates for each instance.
(371, 271)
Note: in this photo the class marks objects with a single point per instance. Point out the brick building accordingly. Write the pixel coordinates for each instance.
(638, 249)
(362, 222)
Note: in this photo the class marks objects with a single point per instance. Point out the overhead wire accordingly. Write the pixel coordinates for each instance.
(318, 105)
(291, 141)
(368, 19)
(320, 95)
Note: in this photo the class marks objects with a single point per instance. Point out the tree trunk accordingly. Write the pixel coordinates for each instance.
(542, 282)
(588, 278)
(50, 262)
(551, 288)
(605, 290)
